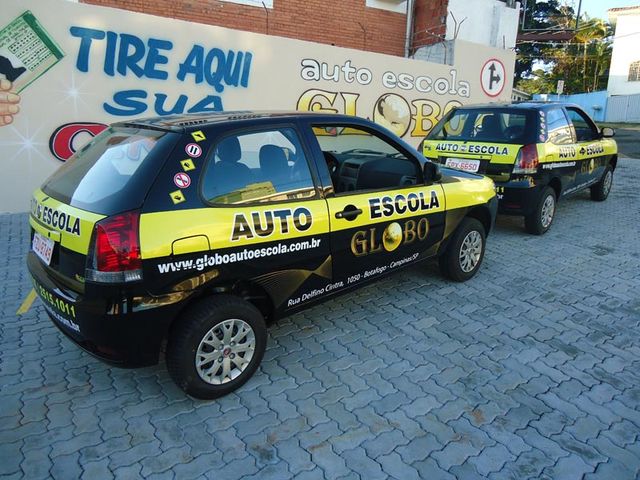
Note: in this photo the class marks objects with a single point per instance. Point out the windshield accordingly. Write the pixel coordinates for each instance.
(113, 172)
(487, 125)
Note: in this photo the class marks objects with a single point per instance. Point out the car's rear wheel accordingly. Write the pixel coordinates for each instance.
(600, 191)
(463, 256)
(216, 346)
(542, 217)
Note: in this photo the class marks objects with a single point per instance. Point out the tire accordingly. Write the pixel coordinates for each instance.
(208, 320)
(463, 256)
(600, 191)
(541, 219)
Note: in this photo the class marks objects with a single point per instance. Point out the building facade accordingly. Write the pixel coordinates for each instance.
(408, 28)
(624, 73)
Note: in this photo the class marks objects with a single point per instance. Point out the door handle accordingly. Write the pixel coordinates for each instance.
(349, 213)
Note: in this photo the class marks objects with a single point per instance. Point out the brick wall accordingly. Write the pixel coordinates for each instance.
(335, 23)
(429, 22)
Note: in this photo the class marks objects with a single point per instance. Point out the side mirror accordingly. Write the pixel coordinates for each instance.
(431, 173)
(607, 132)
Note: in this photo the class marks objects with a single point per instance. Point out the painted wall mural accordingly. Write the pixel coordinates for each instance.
(67, 70)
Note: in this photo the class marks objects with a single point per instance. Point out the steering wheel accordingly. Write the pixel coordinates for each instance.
(332, 163)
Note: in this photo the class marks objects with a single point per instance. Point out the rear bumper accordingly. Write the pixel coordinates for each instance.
(109, 328)
(517, 197)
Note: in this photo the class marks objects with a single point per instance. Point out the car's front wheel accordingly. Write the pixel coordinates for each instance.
(600, 191)
(216, 346)
(539, 221)
(463, 256)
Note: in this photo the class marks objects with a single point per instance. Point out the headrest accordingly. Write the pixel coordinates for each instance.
(229, 150)
(272, 158)
(490, 122)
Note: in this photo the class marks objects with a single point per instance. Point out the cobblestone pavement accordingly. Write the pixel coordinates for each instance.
(530, 370)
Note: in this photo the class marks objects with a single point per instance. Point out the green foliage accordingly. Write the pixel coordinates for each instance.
(582, 63)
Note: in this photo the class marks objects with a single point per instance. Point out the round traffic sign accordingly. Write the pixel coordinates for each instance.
(193, 150)
(492, 77)
(182, 180)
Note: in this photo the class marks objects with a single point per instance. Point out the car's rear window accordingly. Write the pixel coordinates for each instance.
(487, 125)
(113, 172)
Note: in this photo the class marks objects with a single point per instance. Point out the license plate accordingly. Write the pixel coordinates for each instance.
(43, 247)
(464, 164)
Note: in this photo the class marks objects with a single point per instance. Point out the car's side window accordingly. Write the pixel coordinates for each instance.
(584, 127)
(360, 160)
(558, 128)
(257, 166)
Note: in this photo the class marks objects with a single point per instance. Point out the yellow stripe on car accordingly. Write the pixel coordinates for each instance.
(232, 226)
(67, 225)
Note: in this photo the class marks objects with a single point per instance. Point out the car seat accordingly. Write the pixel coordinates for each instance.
(227, 174)
(274, 166)
(490, 128)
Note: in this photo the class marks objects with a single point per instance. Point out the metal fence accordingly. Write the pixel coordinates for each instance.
(623, 108)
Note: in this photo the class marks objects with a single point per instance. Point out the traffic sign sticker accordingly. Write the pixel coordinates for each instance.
(492, 77)
(193, 150)
(182, 180)
(187, 164)
(198, 136)
(177, 197)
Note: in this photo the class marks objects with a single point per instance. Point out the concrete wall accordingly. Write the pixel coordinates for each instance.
(488, 22)
(625, 51)
(594, 103)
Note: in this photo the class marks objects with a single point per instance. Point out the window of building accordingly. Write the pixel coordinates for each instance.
(253, 3)
(256, 167)
(634, 72)
(398, 6)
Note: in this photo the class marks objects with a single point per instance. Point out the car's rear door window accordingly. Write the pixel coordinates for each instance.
(113, 172)
(487, 125)
(258, 166)
(558, 127)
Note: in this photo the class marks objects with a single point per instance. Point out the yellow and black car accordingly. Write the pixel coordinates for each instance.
(536, 153)
(199, 230)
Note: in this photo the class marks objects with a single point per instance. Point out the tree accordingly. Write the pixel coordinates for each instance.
(581, 62)
(540, 16)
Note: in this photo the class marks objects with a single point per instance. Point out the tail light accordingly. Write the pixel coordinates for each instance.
(527, 160)
(114, 253)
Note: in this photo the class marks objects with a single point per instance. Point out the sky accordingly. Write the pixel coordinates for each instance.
(598, 8)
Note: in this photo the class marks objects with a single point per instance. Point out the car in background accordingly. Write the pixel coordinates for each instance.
(537, 153)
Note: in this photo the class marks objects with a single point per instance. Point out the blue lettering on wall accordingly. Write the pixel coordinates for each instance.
(126, 54)
(128, 103)
(86, 35)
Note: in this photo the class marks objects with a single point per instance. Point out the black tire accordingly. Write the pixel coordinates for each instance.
(198, 322)
(538, 222)
(600, 191)
(452, 263)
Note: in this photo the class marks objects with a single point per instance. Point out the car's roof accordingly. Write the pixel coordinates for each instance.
(528, 105)
(191, 122)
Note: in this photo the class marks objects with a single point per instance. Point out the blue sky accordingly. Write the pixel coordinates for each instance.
(598, 8)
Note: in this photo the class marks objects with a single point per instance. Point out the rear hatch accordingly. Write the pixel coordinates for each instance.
(112, 174)
(485, 140)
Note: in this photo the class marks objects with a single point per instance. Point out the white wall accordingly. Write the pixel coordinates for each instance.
(488, 22)
(625, 51)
